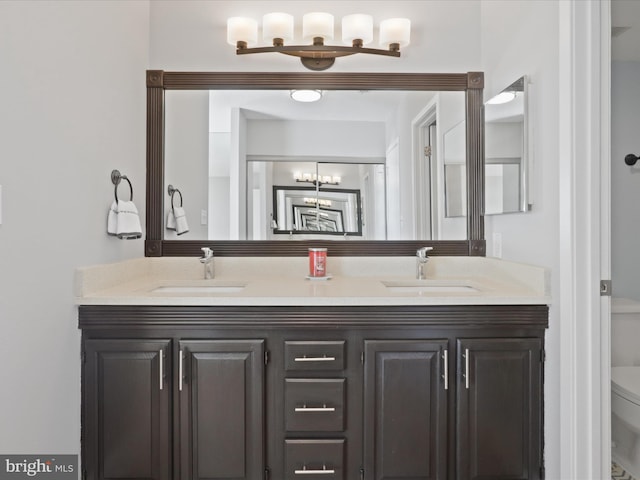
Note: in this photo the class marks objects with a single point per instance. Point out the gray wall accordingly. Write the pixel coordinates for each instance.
(187, 158)
(73, 108)
(625, 180)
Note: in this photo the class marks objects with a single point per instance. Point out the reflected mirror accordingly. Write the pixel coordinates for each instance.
(310, 211)
(506, 156)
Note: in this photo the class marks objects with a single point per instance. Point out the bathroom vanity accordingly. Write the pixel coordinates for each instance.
(369, 375)
(263, 374)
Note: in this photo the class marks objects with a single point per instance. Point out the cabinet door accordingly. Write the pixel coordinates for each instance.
(405, 410)
(499, 419)
(126, 428)
(221, 409)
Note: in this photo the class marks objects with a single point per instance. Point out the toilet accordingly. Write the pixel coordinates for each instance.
(625, 384)
(625, 418)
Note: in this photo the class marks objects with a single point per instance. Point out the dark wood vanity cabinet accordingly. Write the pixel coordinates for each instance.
(127, 420)
(498, 408)
(277, 393)
(126, 409)
(221, 392)
(405, 409)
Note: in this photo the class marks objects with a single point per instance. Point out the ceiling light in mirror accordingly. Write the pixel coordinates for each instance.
(306, 96)
(502, 97)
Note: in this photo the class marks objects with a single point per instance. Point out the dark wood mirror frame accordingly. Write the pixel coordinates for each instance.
(158, 81)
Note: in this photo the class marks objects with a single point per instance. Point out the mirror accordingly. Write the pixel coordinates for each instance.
(506, 156)
(373, 141)
(455, 169)
(311, 211)
(264, 145)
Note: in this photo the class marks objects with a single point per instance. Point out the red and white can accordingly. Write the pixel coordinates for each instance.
(317, 262)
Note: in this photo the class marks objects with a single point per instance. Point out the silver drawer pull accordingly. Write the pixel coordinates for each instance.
(161, 369)
(324, 408)
(466, 368)
(324, 471)
(445, 360)
(315, 359)
(180, 370)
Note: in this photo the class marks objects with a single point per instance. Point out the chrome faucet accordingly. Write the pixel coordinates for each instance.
(207, 261)
(421, 262)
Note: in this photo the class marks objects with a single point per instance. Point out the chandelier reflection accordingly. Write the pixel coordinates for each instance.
(315, 179)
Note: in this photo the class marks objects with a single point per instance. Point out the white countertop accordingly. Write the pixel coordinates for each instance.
(281, 281)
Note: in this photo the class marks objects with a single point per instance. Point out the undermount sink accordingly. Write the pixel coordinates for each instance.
(203, 289)
(429, 286)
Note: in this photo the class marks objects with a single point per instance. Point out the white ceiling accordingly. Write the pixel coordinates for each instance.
(625, 23)
(361, 106)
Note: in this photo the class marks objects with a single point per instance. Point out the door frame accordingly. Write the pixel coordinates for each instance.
(584, 237)
(422, 121)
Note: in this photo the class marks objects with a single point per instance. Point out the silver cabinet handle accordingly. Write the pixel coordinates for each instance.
(324, 471)
(466, 368)
(445, 360)
(315, 359)
(161, 369)
(324, 408)
(180, 371)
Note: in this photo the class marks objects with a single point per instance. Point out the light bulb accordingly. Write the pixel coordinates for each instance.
(395, 30)
(306, 95)
(317, 24)
(277, 25)
(357, 27)
(502, 97)
(242, 29)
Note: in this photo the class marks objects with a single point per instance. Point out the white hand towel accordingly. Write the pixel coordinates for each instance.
(112, 219)
(128, 221)
(171, 220)
(181, 220)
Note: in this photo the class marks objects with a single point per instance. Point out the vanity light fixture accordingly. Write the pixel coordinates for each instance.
(315, 179)
(321, 202)
(306, 96)
(357, 31)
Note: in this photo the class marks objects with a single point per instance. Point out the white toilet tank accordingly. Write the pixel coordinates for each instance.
(625, 398)
(625, 418)
(625, 332)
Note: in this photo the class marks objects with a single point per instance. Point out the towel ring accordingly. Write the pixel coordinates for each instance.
(172, 191)
(116, 178)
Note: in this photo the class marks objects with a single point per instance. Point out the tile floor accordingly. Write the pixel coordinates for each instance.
(617, 473)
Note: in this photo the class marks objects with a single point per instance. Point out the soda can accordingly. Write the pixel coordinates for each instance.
(317, 262)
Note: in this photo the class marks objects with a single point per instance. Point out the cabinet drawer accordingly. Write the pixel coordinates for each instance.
(314, 355)
(314, 459)
(314, 404)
